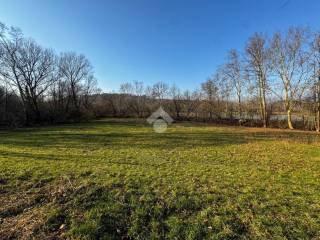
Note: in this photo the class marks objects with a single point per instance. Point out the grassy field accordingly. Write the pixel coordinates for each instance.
(120, 180)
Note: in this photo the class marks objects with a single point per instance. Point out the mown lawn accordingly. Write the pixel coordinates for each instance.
(120, 180)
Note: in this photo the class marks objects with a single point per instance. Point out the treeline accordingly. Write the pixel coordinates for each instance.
(273, 82)
(38, 86)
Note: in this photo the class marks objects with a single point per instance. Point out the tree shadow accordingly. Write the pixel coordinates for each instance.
(126, 135)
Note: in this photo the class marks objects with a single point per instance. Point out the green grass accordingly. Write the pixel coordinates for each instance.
(120, 180)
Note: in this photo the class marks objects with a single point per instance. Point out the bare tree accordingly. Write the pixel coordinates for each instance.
(176, 98)
(258, 64)
(315, 63)
(126, 96)
(210, 90)
(233, 71)
(224, 92)
(89, 92)
(140, 98)
(160, 91)
(59, 100)
(3, 87)
(289, 62)
(43, 84)
(28, 68)
(134, 97)
(36, 67)
(192, 102)
(2, 53)
(75, 70)
(10, 40)
(37, 86)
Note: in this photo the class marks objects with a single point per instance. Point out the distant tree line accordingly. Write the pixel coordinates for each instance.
(39, 86)
(273, 82)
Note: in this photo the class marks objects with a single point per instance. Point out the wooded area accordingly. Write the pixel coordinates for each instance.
(273, 82)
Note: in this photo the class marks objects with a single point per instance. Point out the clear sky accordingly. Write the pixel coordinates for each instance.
(175, 41)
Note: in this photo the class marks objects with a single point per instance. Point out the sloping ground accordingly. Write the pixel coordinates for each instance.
(120, 180)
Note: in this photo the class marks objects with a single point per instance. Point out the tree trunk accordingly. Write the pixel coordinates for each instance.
(6, 105)
(265, 114)
(263, 105)
(318, 104)
(318, 118)
(36, 110)
(239, 107)
(318, 121)
(288, 107)
(290, 126)
(177, 109)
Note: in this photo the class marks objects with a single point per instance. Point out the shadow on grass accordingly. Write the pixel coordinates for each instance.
(125, 135)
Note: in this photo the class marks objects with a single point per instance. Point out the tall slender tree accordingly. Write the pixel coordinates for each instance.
(176, 98)
(315, 48)
(290, 64)
(257, 54)
(210, 91)
(233, 70)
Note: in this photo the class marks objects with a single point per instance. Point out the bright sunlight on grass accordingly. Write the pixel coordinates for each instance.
(118, 179)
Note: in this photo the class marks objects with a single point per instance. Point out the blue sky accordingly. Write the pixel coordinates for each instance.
(176, 41)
